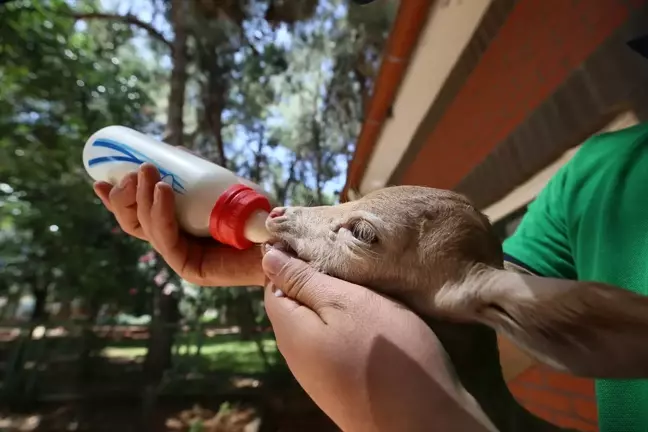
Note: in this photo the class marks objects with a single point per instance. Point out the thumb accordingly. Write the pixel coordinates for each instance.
(302, 283)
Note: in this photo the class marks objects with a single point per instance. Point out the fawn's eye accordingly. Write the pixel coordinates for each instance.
(364, 232)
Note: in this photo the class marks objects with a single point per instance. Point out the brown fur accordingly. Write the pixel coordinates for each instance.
(435, 252)
(426, 238)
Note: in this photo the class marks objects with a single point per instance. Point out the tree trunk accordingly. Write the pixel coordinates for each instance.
(213, 91)
(162, 334)
(364, 93)
(165, 314)
(242, 316)
(159, 354)
(283, 190)
(255, 334)
(89, 344)
(214, 106)
(317, 148)
(40, 299)
(179, 58)
(318, 162)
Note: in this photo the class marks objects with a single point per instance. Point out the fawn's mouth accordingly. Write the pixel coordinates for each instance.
(279, 245)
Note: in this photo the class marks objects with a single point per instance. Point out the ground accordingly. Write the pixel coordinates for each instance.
(111, 398)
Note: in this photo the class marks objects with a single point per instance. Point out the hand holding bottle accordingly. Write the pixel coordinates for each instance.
(144, 207)
(205, 221)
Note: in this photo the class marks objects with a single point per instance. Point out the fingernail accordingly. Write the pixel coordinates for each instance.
(148, 166)
(157, 193)
(279, 293)
(274, 260)
(97, 187)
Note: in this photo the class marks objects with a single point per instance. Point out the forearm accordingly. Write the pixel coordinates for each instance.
(418, 392)
(420, 412)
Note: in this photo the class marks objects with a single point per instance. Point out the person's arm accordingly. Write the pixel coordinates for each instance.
(541, 246)
(369, 363)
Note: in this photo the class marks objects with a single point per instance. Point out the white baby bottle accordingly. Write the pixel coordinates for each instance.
(210, 200)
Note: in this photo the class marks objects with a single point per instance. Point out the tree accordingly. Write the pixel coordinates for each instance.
(59, 86)
(273, 90)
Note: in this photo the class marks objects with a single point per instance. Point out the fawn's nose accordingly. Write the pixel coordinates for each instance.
(276, 212)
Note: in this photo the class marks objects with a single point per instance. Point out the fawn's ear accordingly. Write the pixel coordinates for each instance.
(584, 328)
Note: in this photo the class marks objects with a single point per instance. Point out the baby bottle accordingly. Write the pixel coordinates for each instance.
(210, 200)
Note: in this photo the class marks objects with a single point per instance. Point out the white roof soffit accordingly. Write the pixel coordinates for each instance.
(449, 29)
(527, 191)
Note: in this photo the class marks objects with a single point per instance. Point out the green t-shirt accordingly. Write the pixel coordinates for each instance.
(591, 223)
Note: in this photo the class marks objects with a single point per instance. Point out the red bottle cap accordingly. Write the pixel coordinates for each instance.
(232, 211)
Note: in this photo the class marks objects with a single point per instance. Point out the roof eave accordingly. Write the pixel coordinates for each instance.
(408, 26)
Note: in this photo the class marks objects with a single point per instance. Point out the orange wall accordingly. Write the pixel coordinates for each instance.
(541, 42)
(562, 399)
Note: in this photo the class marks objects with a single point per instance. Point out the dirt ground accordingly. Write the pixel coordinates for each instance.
(292, 412)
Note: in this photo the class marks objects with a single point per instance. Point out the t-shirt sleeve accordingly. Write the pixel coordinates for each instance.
(540, 243)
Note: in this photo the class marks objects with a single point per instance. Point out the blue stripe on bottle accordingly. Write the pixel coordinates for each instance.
(130, 155)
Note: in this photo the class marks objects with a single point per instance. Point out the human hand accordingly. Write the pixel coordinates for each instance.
(144, 208)
(369, 363)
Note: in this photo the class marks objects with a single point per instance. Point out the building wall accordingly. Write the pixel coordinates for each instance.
(554, 73)
(449, 29)
(514, 203)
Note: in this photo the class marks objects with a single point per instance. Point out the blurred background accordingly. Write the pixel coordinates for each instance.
(96, 333)
(319, 101)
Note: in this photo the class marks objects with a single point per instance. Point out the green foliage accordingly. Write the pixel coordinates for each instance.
(59, 86)
(280, 108)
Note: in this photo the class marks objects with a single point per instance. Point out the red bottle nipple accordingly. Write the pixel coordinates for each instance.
(232, 211)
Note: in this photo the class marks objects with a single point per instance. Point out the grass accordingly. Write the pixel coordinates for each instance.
(224, 363)
(217, 353)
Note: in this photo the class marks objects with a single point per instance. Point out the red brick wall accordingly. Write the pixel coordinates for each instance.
(537, 48)
(561, 399)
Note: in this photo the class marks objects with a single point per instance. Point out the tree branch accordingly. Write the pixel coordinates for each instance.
(282, 191)
(128, 19)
